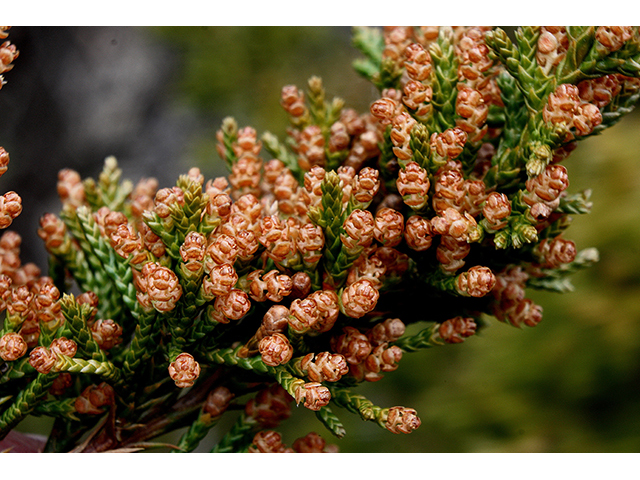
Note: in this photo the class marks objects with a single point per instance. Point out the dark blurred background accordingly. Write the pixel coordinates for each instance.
(154, 97)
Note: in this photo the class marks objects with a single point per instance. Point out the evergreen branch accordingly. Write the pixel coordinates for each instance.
(25, 402)
(331, 422)
(105, 369)
(360, 405)
(428, 337)
(445, 67)
(64, 408)
(239, 437)
(76, 327)
(196, 432)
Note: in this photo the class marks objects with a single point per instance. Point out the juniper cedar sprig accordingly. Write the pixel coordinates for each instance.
(294, 278)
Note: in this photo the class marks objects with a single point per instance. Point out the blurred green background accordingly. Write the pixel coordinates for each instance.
(571, 384)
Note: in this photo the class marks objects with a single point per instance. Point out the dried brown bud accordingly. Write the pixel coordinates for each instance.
(222, 249)
(166, 198)
(216, 186)
(352, 344)
(128, 244)
(275, 320)
(232, 306)
(301, 285)
(12, 347)
(42, 359)
(473, 56)
(562, 105)
(384, 110)
(359, 298)
(5, 289)
(339, 137)
(395, 262)
(367, 266)
(304, 314)
(418, 62)
(449, 189)
(311, 147)
(382, 359)
(475, 196)
(365, 185)
(527, 313)
(245, 175)
(402, 125)
(4, 161)
(310, 242)
(10, 241)
(271, 229)
(547, 187)
(329, 308)
(61, 383)
(313, 181)
(163, 286)
(63, 346)
(417, 233)
(275, 350)
(310, 443)
(600, 91)
(557, 252)
(388, 331)
(451, 253)
(142, 196)
(324, 367)
(93, 398)
(358, 229)
(70, 188)
(614, 37)
(587, 118)
(272, 170)
(292, 100)
(218, 207)
(217, 401)
(106, 333)
(91, 299)
(314, 394)
(192, 250)
(451, 223)
(220, 280)
(184, 370)
(402, 420)
(450, 143)
(30, 331)
(46, 303)
(552, 47)
(8, 53)
(413, 184)
(10, 208)
(152, 242)
(278, 285)
(109, 220)
(29, 274)
(355, 123)
(496, 209)
(267, 441)
(270, 406)
(247, 242)
(19, 300)
(476, 282)
(388, 227)
(455, 330)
